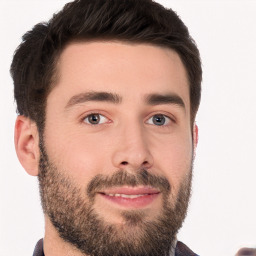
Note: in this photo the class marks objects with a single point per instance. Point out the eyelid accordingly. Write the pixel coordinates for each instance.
(167, 120)
(169, 116)
(166, 115)
(87, 115)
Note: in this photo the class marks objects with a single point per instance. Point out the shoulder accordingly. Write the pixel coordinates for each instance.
(183, 250)
(38, 251)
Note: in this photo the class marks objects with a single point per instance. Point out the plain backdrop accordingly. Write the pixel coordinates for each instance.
(222, 213)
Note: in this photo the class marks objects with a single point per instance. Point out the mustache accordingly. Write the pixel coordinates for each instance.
(123, 178)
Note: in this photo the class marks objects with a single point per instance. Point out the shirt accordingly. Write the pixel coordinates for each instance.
(180, 250)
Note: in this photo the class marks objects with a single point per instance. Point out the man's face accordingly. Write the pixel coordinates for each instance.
(117, 150)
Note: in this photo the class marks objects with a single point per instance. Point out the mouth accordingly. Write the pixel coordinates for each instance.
(131, 197)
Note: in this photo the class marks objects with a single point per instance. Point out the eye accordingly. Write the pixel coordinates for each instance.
(95, 119)
(159, 120)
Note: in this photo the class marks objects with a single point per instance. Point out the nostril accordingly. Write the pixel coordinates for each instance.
(146, 164)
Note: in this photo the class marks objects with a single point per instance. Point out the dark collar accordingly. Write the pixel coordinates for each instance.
(39, 248)
(180, 250)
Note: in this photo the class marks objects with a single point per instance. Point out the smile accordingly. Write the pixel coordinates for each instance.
(129, 197)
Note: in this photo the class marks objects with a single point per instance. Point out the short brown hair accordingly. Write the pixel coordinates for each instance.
(137, 21)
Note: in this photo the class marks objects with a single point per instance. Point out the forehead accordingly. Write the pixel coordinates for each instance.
(131, 70)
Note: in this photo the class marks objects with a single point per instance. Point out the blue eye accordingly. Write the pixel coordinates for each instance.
(95, 119)
(159, 120)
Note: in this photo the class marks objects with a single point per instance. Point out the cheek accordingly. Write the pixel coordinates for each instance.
(80, 155)
(174, 157)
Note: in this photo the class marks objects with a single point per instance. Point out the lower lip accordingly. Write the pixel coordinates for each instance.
(138, 202)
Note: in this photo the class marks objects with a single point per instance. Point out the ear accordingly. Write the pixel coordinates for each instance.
(26, 140)
(195, 137)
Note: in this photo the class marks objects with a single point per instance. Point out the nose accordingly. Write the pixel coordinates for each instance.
(132, 150)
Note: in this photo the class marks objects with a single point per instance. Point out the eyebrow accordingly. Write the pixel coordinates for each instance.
(94, 96)
(159, 99)
(150, 99)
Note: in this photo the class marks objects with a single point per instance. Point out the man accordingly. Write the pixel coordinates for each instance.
(107, 92)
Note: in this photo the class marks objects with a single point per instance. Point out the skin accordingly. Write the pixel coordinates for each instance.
(126, 137)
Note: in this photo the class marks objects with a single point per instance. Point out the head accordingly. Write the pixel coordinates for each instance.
(34, 66)
(107, 93)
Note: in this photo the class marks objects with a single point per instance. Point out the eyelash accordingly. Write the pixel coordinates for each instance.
(166, 119)
(170, 119)
(94, 113)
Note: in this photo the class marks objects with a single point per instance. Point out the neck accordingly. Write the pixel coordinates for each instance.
(56, 246)
(172, 252)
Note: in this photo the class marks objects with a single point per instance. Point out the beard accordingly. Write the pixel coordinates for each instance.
(71, 211)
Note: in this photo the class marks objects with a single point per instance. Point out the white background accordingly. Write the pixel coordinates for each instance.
(222, 214)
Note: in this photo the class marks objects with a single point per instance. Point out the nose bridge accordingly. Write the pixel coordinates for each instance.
(132, 148)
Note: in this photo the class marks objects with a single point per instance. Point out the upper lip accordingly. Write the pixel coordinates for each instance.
(131, 190)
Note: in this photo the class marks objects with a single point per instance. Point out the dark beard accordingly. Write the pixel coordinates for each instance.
(77, 223)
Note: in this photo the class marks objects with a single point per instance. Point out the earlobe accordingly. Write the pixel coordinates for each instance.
(195, 137)
(26, 144)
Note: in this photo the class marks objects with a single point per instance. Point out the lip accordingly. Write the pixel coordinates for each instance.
(131, 197)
